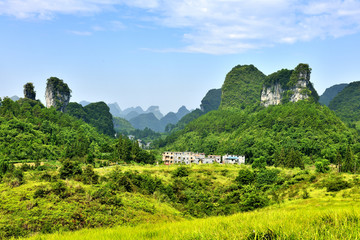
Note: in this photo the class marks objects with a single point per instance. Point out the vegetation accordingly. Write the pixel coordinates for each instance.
(330, 93)
(146, 120)
(287, 135)
(288, 79)
(211, 101)
(59, 92)
(121, 125)
(96, 114)
(347, 104)
(28, 131)
(29, 91)
(242, 87)
(132, 199)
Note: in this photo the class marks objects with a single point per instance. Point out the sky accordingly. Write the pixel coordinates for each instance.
(170, 53)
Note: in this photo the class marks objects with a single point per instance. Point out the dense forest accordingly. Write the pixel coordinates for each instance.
(29, 131)
(346, 104)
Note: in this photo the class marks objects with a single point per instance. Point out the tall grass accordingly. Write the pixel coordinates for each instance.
(316, 218)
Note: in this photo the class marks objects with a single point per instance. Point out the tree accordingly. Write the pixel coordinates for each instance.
(348, 162)
(29, 91)
(69, 169)
(245, 177)
(259, 163)
(322, 165)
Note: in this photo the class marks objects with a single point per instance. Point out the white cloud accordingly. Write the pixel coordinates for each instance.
(219, 26)
(81, 33)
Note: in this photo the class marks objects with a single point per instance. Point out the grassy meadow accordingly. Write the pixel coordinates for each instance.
(302, 204)
(321, 216)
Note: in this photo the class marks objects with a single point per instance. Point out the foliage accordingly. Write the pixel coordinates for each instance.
(128, 151)
(29, 91)
(284, 135)
(69, 169)
(281, 77)
(96, 114)
(245, 177)
(181, 171)
(335, 183)
(346, 104)
(211, 101)
(322, 165)
(121, 125)
(242, 87)
(59, 91)
(131, 195)
(330, 93)
(259, 163)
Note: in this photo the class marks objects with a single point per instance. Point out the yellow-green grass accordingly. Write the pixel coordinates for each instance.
(326, 217)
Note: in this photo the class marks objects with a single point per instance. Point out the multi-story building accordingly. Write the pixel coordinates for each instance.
(196, 158)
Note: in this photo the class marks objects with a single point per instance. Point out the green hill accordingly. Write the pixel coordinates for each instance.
(148, 120)
(29, 131)
(242, 87)
(96, 114)
(211, 101)
(347, 104)
(305, 129)
(122, 125)
(331, 92)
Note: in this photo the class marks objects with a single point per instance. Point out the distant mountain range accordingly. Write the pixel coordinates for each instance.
(140, 119)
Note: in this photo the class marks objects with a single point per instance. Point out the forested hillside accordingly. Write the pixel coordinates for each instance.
(96, 114)
(331, 92)
(29, 131)
(346, 104)
(287, 135)
(242, 87)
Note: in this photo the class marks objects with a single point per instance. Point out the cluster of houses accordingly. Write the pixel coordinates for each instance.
(200, 158)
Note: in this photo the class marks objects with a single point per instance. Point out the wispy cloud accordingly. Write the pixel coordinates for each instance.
(219, 26)
(81, 33)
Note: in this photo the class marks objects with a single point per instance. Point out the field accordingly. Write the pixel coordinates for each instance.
(302, 205)
(329, 217)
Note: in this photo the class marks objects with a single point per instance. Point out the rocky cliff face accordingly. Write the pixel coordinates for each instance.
(288, 86)
(57, 94)
(271, 96)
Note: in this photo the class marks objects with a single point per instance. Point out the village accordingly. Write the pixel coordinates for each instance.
(170, 158)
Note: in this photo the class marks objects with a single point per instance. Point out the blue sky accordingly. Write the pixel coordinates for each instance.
(170, 53)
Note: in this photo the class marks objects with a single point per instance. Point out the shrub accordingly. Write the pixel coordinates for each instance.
(335, 184)
(322, 165)
(252, 199)
(259, 163)
(181, 171)
(89, 176)
(245, 177)
(69, 169)
(59, 188)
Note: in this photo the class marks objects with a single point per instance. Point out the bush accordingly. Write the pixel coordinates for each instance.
(89, 176)
(335, 184)
(69, 169)
(252, 199)
(181, 171)
(59, 188)
(322, 165)
(267, 177)
(245, 177)
(259, 163)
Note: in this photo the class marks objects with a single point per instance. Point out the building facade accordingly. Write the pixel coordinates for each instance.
(170, 158)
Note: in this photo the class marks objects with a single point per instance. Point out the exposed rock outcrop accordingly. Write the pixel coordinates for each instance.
(57, 94)
(288, 86)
